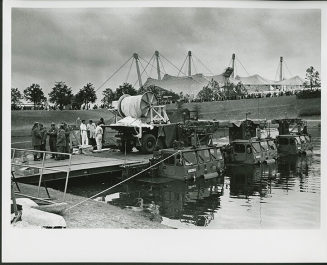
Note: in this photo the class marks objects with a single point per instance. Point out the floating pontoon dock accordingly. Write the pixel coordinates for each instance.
(29, 171)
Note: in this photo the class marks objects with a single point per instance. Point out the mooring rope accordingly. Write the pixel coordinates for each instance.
(144, 170)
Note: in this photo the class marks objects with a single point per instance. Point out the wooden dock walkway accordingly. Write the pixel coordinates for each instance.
(80, 165)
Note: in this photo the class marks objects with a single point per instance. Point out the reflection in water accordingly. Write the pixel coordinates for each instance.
(251, 180)
(192, 203)
(285, 194)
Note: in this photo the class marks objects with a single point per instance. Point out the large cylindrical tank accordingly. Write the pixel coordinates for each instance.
(136, 106)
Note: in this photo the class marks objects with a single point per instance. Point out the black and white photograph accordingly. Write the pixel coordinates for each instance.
(141, 123)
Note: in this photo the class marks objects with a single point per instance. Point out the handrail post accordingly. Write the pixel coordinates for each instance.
(41, 173)
(13, 153)
(67, 176)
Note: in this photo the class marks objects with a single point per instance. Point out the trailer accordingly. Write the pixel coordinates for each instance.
(145, 125)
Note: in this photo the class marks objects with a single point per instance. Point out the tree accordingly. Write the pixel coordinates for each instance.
(61, 94)
(16, 96)
(312, 78)
(34, 94)
(206, 94)
(86, 95)
(126, 88)
(108, 97)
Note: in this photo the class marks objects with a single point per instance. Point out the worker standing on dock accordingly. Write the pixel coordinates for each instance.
(67, 134)
(91, 127)
(53, 139)
(61, 142)
(43, 133)
(36, 139)
(98, 136)
(85, 140)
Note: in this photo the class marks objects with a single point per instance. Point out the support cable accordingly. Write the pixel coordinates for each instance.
(149, 62)
(288, 69)
(242, 66)
(113, 74)
(133, 176)
(162, 65)
(129, 71)
(144, 69)
(182, 67)
(171, 63)
(151, 67)
(196, 71)
(203, 64)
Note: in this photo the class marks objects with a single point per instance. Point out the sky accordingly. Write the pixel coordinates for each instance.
(79, 46)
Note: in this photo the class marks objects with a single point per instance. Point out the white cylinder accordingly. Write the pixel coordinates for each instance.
(136, 106)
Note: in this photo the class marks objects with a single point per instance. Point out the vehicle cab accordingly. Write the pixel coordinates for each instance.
(191, 163)
(289, 144)
(293, 144)
(246, 151)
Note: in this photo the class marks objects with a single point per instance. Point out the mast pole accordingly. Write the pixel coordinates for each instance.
(158, 65)
(136, 57)
(189, 63)
(233, 64)
(281, 69)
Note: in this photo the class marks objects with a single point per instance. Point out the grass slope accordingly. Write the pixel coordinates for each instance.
(22, 121)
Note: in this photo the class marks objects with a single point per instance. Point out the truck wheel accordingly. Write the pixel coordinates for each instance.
(148, 143)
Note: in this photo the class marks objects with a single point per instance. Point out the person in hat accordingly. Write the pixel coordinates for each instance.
(36, 140)
(61, 142)
(53, 131)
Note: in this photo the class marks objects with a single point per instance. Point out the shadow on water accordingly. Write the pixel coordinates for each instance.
(286, 186)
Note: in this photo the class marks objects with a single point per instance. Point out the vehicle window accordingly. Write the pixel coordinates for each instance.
(264, 145)
(204, 156)
(189, 158)
(256, 147)
(283, 141)
(249, 149)
(170, 160)
(213, 153)
(239, 148)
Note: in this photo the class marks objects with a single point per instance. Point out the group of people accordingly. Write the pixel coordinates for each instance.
(91, 133)
(59, 140)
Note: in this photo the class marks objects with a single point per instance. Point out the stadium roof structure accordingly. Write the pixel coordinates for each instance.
(293, 81)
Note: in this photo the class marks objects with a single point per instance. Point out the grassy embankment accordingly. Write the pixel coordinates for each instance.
(93, 214)
(22, 121)
(263, 108)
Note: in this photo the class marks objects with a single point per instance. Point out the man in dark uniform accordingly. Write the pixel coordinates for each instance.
(67, 134)
(53, 139)
(43, 133)
(36, 140)
(61, 142)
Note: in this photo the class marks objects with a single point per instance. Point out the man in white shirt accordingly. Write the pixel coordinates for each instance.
(85, 141)
(98, 136)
